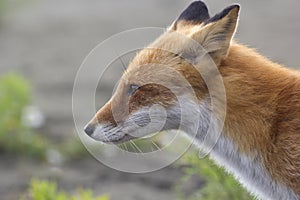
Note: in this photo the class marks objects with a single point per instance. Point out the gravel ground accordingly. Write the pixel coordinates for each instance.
(48, 40)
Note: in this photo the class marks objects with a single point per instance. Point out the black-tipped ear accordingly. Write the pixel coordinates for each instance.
(196, 12)
(216, 35)
(223, 13)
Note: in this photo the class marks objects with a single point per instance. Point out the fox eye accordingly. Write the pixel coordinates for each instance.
(132, 89)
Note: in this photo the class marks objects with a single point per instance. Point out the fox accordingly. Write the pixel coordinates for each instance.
(259, 142)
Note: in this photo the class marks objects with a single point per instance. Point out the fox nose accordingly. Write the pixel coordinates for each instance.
(89, 129)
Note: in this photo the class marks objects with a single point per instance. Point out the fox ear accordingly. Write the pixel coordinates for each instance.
(195, 13)
(216, 35)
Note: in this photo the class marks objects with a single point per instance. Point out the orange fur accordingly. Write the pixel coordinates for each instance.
(263, 98)
(263, 104)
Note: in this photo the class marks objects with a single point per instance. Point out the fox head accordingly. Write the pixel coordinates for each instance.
(163, 82)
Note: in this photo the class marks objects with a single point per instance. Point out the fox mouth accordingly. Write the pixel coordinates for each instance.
(121, 140)
(109, 134)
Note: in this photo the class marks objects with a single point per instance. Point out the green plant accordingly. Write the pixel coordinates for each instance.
(219, 184)
(15, 137)
(46, 190)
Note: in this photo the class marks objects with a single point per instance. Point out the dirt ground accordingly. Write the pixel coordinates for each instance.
(47, 41)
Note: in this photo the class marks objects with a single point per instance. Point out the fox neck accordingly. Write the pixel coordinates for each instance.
(247, 133)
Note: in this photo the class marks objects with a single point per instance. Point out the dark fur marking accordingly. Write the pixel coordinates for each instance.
(196, 12)
(222, 14)
(132, 89)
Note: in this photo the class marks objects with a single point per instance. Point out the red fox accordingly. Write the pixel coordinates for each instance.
(260, 139)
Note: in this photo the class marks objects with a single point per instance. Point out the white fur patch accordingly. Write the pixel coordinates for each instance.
(250, 171)
(107, 133)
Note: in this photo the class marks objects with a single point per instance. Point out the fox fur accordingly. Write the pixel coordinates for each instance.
(260, 140)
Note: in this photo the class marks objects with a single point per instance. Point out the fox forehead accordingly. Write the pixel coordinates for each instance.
(163, 49)
(164, 52)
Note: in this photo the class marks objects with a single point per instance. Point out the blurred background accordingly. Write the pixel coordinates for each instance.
(42, 45)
